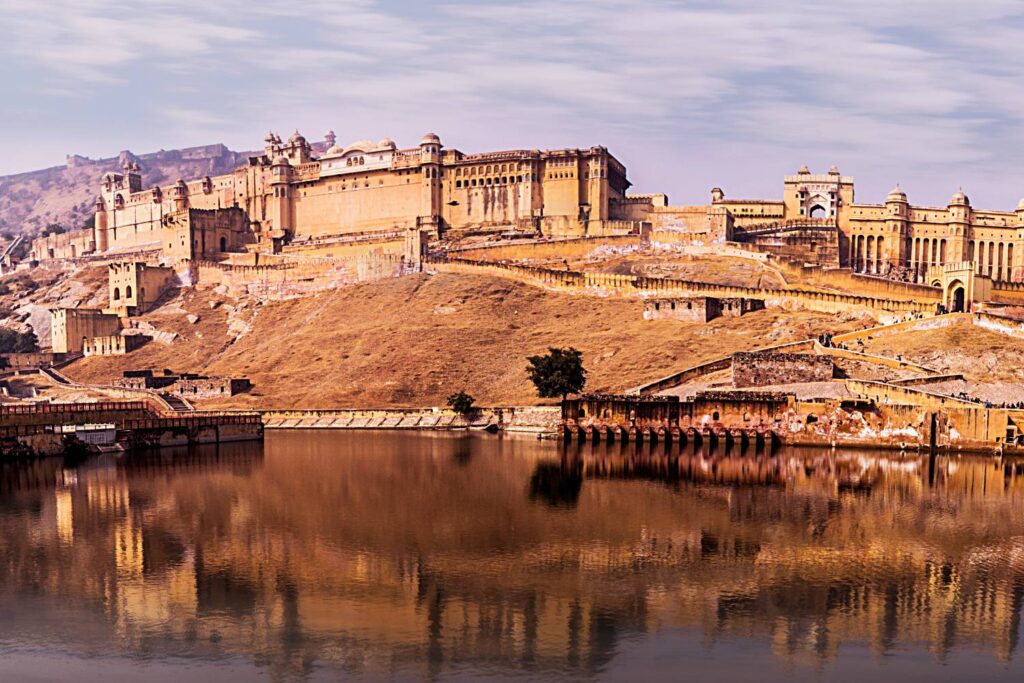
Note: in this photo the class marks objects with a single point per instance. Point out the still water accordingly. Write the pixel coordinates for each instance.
(382, 556)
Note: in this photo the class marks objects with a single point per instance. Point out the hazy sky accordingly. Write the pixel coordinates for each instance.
(688, 95)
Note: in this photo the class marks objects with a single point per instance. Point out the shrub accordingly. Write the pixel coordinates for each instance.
(557, 374)
(462, 403)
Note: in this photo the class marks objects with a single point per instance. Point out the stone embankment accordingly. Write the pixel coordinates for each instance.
(533, 420)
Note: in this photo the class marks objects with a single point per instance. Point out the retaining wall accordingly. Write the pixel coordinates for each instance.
(635, 285)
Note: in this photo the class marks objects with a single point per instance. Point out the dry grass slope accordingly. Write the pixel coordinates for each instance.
(414, 340)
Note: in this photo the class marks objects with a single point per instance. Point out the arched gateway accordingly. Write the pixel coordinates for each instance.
(961, 285)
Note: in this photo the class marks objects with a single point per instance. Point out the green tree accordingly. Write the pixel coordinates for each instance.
(8, 340)
(12, 341)
(27, 343)
(557, 374)
(461, 403)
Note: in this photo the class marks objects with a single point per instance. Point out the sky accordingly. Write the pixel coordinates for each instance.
(687, 94)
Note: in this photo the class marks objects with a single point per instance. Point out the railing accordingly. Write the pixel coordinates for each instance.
(193, 421)
(64, 408)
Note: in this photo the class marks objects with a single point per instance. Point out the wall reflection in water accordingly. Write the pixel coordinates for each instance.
(423, 555)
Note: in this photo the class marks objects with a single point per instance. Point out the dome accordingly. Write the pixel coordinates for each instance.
(1020, 205)
(804, 170)
(897, 195)
(334, 151)
(360, 146)
(296, 138)
(282, 160)
(387, 142)
(430, 139)
(834, 170)
(959, 198)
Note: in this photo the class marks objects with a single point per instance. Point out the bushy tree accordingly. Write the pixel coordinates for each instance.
(461, 403)
(12, 341)
(27, 342)
(557, 374)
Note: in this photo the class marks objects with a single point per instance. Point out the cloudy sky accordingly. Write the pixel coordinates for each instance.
(688, 94)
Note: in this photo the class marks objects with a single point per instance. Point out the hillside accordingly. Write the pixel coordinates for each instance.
(414, 340)
(66, 195)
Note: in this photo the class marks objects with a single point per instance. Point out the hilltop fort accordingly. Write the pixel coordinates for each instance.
(313, 275)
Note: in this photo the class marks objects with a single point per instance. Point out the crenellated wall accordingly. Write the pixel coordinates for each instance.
(633, 285)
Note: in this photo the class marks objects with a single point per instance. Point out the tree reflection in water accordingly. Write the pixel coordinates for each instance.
(415, 556)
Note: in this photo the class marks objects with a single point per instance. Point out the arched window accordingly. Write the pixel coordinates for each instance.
(117, 294)
(128, 292)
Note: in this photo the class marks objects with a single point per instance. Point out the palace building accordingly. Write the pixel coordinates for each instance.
(297, 190)
(818, 220)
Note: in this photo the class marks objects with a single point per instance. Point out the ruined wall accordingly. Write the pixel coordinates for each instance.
(734, 308)
(963, 421)
(137, 285)
(759, 369)
(113, 345)
(295, 277)
(68, 245)
(696, 309)
(707, 410)
(28, 361)
(71, 328)
(210, 387)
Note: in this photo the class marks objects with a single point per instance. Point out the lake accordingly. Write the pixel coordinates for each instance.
(390, 556)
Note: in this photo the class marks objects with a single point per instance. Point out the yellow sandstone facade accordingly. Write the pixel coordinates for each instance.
(894, 239)
(292, 192)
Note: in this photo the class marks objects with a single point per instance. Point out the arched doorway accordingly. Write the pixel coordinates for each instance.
(956, 295)
(223, 243)
(817, 211)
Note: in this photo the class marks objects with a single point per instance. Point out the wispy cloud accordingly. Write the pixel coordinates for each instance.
(688, 94)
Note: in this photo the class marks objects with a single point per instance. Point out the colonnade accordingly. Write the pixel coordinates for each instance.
(926, 252)
(993, 259)
(867, 254)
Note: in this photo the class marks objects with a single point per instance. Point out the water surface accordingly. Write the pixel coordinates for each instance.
(383, 556)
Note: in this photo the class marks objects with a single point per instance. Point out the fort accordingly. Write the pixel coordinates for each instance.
(304, 220)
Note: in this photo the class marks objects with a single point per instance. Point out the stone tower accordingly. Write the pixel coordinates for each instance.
(430, 194)
(895, 247)
(281, 208)
(959, 229)
(99, 226)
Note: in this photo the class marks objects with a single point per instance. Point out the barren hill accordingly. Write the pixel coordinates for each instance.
(417, 339)
(65, 195)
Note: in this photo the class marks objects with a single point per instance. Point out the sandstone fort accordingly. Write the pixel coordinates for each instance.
(192, 294)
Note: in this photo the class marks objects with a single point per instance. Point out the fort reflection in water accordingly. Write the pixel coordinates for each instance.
(408, 556)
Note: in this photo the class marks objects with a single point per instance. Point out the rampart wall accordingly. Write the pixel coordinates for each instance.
(635, 285)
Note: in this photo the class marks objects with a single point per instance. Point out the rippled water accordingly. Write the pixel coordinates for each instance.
(392, 556)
